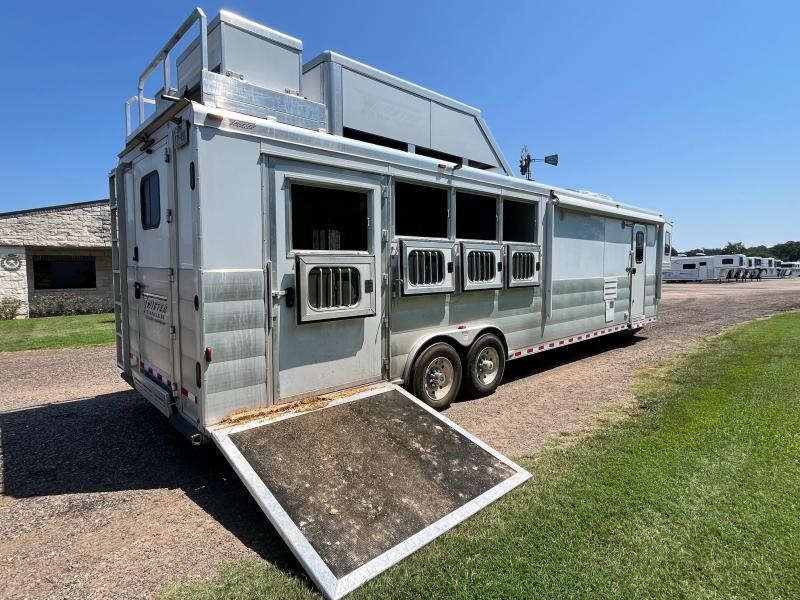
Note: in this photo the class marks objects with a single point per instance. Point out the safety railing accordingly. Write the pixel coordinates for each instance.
(163, 58)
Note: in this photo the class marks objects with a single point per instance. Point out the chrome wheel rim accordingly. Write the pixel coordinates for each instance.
(438, 378)
(487, 365)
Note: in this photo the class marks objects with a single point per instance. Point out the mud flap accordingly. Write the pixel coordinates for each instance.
(359, 482)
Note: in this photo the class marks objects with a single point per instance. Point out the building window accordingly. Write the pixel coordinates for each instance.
(150, 199)
(519, 221)
(329, 219)
(420, 211)
(64, 272)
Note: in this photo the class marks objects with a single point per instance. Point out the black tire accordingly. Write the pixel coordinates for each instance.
(477, 382)
(430, 363)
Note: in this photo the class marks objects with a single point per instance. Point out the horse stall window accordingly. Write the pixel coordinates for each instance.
(476, 217)
(64, 272)
(688, 266)
(519, 221)
(326, 218)
(420, 211)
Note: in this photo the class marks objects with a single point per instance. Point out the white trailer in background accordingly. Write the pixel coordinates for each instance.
(790, 269)
(292, 236)
(719, 268)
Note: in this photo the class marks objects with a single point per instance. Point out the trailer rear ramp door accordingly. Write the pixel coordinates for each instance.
(360, 484)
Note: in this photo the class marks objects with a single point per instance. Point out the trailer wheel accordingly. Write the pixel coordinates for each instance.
(486, 363)
(436, 376)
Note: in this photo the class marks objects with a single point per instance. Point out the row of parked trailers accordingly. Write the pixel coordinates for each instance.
(728, 267)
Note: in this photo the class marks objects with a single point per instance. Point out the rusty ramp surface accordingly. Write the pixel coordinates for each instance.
(360, 484)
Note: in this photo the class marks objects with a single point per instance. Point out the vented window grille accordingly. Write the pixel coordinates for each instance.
(426, 267)
(481, 266)
(523, 266)
(333, 287)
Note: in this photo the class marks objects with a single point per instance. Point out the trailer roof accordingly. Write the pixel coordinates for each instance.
(382, 159)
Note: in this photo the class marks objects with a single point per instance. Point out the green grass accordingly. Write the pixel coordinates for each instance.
(56, 332)
(696, 495)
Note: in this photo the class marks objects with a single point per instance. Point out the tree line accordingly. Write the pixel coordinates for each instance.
(786, 251)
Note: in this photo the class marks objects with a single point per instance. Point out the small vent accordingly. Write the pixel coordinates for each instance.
(523, 266)
(481, 267)
(425, 267)
(333, 287)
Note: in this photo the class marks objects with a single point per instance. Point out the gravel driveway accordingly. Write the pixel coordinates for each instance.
(101, 499)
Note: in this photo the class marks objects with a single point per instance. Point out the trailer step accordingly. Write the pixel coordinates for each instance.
(359, 484)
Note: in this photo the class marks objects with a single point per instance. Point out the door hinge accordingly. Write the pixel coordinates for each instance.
(385, 192)
(169, 215)
(171, 273)
(386, 364)
(384, 235)
(166, 155)
(172, 331)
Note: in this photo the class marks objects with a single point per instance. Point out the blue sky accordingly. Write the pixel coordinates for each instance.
(690, 108)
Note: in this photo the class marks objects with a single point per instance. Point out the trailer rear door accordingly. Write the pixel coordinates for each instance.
(151, 264)
(357, 483)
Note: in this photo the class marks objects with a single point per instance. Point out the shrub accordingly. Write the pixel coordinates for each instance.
(9, 307)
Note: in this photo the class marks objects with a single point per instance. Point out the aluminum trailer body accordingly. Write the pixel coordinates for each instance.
(282, 232)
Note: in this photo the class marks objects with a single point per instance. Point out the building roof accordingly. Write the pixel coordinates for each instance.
(71, 205)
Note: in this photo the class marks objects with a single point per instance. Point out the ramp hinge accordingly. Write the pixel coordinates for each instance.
(169, 215)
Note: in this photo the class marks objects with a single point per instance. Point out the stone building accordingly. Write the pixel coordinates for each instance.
(57, 259)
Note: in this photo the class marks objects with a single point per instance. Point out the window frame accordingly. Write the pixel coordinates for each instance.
(147, 224)
(497, 214)
(450, 208)
(292, 179)
(536, 204)
(638, 251)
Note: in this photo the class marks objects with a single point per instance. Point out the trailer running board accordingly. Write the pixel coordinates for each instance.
(361, 481)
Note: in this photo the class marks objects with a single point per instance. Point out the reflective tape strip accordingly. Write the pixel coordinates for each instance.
(574, 339)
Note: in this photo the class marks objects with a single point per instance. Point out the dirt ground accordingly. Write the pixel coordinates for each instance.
(101, 499)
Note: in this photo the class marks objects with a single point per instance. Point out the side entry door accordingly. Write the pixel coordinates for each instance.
(151, 220)
(638, 271)
(329, 290)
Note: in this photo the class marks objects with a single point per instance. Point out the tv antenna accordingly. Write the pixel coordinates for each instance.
(526, 161)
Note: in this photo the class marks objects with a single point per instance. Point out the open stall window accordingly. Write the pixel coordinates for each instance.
(519, 221)
(476, 216)
(326, 218)
(420, 211)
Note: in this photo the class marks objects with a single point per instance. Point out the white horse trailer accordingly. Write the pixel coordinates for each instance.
(285, 232)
